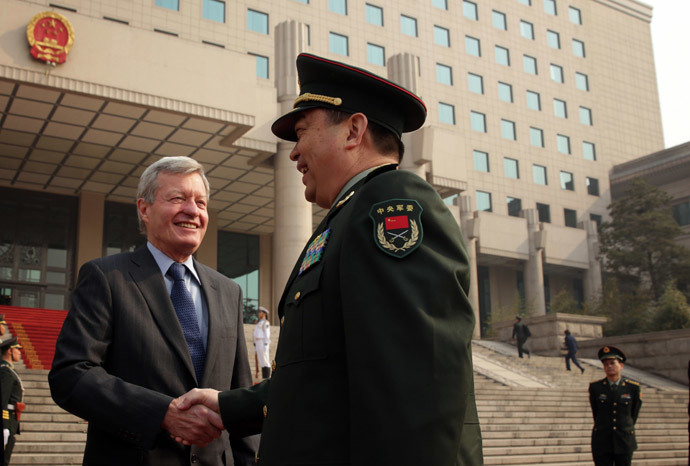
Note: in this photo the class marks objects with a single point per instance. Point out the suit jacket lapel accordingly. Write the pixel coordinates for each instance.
(147, 276)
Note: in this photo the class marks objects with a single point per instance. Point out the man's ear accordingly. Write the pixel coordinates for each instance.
(357, 126)
(142, 207)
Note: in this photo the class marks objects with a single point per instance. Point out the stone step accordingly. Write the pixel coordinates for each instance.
(47, 459)
(48, 447)
(51, 437)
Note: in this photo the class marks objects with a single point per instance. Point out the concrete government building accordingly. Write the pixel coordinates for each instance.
(530, 105)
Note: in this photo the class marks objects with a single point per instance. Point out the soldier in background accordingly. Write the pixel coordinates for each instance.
(521, 333)
(12, 394)
(262, 342)
(615, 403)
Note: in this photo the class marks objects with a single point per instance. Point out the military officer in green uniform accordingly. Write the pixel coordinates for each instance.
(373, 364)
(615, 403)
(12, 394)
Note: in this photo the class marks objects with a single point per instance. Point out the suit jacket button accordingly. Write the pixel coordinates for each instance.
(194, 459)
(265, 410)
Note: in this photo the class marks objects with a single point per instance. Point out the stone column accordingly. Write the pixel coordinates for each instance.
(403, 69)
(534, 268)
(470, 230)
(90, 227)
(293, 214)
(592, 276)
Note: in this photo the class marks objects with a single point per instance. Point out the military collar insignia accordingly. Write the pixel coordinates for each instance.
(397, 226)
(344, 200)
(314, 252)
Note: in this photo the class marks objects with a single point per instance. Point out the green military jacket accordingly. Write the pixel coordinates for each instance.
(615, 415)
(373, 364)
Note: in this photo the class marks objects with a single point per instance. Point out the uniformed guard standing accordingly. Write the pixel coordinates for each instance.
(374, 358)
(12, 394)
(615, 403)
(262, 342)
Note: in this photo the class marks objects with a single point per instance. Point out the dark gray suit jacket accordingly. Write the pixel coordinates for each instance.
(121, 358)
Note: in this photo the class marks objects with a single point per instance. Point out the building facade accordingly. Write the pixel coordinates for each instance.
(531, 103)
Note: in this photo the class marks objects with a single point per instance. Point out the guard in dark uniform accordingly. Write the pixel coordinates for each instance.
(12, 394)
(615, 403)
(373, 364)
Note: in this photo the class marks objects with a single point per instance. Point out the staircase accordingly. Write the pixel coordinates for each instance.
(547, 423)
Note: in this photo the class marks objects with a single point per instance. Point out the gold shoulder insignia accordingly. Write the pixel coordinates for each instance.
(632, 382)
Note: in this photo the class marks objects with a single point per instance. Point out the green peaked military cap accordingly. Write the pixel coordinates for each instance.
(330, 84)
(607, 352)
(9, 343)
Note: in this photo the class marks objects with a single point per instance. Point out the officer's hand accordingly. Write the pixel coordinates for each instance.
(193, 425)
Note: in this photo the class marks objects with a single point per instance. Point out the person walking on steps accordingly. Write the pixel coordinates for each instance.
(571, 344)
(521, 333)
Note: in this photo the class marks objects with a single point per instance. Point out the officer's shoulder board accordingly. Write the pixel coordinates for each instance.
(397, 226)
(632, 382)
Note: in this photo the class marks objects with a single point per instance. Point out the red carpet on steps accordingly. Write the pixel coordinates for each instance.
(37, 331)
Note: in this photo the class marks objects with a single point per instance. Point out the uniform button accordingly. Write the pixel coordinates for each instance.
(297, 295)
(614, 427)
(194, 459)
(615, 404)
(265, 410)
(614, 411)
(273, 366)
(282, 321)
(614, 420)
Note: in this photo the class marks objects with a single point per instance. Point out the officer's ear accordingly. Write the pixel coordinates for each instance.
(357, 126)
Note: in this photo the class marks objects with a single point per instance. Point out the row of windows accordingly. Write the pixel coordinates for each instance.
(514, 209)
(511, 169)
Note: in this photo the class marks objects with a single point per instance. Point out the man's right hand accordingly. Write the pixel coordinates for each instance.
(192, 425)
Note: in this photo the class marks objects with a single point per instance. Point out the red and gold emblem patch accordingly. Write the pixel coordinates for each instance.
(397, 226)
(51, 37)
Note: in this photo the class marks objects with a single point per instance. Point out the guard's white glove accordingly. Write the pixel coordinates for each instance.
(6, 434)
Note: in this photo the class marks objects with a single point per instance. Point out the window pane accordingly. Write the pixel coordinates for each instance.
(54, 301)
(505, 92)
(570, 217)
(338, 44)
(472, 46)
(539, 174)
(170, 4)
(514, 206)
(592, 186)
(585, 116)
(560, 109)
(530, 64)
(533, 100)
(550, 7)
(408, 26)
(589, 151)
(338, 6)
(478, 122)
(444, 74)
(536, 137)
(214, 10)
(553, 39)
(556, 73)
(578, 48)
(581, 81)
(446, 113)
(575, 15)
(238, 258)
(567, 181)
(374, 15)
(508, 129)
(499, 20)
(511, 168)
(544, 212)
(469, 10)
(681, 213)
(481, 161)
(527, 30)
(376, 54)
(502, 56)
(56, 258)
(442, 4)
(261, 66)
(484, 201)
(596, 219)
(257, 21)
(525, 2)
(441, 36)
(475, 83)
(563, 144)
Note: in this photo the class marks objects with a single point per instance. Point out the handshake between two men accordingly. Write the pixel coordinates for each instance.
(194, 418)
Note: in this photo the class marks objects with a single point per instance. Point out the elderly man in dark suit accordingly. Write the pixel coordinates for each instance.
(146, 327)
(373, 364)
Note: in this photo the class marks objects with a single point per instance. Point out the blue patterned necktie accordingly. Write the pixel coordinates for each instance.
(186, 314)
